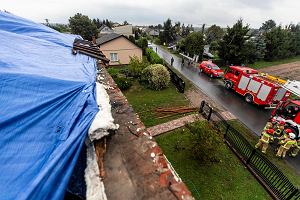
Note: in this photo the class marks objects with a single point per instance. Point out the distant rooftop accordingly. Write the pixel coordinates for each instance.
(107, 37)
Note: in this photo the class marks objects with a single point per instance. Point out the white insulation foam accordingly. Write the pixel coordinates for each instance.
(98, 129)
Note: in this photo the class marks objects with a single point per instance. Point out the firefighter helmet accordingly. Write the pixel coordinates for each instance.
(270, 131)
(288, 130)
(282, 123)
(292, 136)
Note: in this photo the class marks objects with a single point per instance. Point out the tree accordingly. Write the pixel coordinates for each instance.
(194, 43)
(59, 27)
(168, 35)
(214, 33)
(125, 23)
(268, 25)
(233, 48)
(185, 31)
(277, 44)
(83, 25)
(143, 44)
(260, 46)
(97, 22)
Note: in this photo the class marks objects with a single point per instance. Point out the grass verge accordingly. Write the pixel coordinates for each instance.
(144, 101)
(227, 179)
(291, 174)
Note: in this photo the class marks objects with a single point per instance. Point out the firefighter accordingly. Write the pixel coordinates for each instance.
(286, 145)
(279, 128)
(266, 137)
(285, 134)
(296, 149)
(268, 126)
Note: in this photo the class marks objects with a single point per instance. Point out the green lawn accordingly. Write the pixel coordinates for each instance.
(228, 179)
(262, 64)
(144, 101)
(280, 163)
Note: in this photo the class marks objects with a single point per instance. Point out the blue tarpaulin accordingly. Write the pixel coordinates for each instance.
(47, 103)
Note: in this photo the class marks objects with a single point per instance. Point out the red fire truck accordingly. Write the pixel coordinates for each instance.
(289, 111)
(261, 89)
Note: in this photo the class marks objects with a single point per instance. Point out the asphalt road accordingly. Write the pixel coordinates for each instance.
(252, 116)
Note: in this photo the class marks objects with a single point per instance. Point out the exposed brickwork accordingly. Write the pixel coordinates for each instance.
(172, 125)
(135, 166)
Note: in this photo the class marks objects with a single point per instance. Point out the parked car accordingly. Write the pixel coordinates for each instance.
(211, 69)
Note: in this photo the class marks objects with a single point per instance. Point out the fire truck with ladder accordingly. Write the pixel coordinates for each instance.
(261, 89)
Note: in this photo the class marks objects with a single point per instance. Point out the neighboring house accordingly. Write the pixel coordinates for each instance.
(154, 33)
(118, 48)
(103, 30)
(125, 30)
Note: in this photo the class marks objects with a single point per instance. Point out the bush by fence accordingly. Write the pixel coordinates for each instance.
(156, 76)
(276, 183)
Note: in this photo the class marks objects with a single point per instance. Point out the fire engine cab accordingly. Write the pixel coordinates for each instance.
(261, 89)
(289, 111)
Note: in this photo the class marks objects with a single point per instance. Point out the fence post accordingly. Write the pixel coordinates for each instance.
(227, 129)
(251, 155)
(201, 106)
(292, 194)
(209, 114)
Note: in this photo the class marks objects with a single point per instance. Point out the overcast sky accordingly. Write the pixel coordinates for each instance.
(145, 12)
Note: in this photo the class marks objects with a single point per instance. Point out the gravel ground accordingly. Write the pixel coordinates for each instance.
(289, 71)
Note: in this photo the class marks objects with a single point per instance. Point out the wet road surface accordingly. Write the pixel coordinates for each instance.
(252, 116)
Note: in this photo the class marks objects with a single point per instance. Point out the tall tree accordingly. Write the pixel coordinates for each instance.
(268, 25)
(277, 44)
(168, 35)
(233, 47)
(125, 23)
(194, 44)
(83, 25)
(214, 33)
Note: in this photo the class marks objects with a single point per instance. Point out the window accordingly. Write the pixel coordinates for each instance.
(215, 67)
(114, 57)
(237, 73)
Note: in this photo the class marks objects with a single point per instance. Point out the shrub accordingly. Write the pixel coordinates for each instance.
(119, 76)
(206, 142)
(156, 76)
(157, 41)
(113, 72)
(136, 66)
(142, 43)
(152, 57)
(122, 82)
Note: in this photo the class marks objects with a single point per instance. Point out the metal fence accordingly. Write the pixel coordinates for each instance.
(274, 181)
(176, 80)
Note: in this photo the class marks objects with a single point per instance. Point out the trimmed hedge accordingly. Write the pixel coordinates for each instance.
(152, 57)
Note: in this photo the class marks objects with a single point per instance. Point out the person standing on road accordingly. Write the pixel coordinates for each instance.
(264, 140)
(172, 61)
(182, 62)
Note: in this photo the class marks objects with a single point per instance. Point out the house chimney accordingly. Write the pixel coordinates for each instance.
(94, 40)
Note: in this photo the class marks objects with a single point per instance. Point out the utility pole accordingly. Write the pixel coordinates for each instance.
(203, 27)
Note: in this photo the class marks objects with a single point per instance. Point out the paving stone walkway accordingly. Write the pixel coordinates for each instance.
(172, 125)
